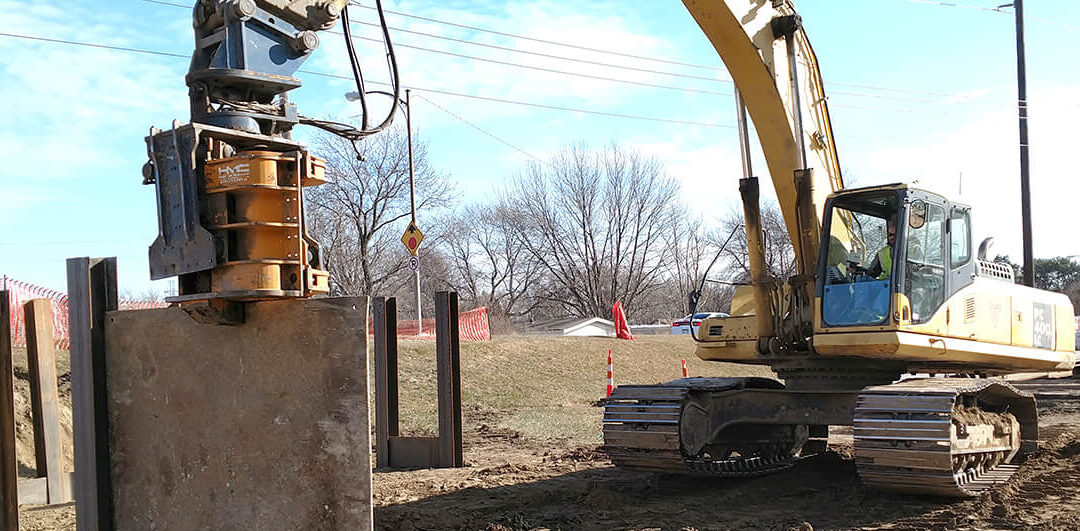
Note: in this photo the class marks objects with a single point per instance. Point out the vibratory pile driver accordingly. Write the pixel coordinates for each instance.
(230, 184)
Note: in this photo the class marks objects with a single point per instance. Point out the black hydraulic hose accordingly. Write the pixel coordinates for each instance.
(355, 65)
(362, 93)
(705, 276)
(392, 59)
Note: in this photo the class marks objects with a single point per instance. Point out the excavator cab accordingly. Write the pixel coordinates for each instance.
(892, 256)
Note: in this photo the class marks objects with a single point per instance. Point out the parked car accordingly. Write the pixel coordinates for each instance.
(683, 326)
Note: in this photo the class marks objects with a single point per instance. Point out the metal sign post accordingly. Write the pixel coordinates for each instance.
(412, 226)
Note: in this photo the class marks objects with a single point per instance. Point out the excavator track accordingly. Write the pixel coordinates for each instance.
(954, 438)
(641, 432)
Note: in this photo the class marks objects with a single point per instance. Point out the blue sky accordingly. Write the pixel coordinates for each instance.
(918, 91)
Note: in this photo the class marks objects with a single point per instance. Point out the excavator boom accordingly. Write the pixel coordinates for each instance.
(770, 59)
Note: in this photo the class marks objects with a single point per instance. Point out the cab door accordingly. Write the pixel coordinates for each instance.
(962, 309)
(925, 259)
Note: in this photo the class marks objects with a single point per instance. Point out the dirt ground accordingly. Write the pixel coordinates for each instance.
(511, 484)
(526, 471)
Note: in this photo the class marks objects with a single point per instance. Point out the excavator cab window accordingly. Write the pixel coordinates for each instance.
(858, 259)
(924, 266)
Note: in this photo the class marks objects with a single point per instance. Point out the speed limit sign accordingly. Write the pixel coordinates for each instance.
(414, 263)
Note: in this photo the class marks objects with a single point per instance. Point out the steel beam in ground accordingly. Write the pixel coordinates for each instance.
(448, 360)
(9, 495)
(384, 319)
(44, 398)
(91, 292)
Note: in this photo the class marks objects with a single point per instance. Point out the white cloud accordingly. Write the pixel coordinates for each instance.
(594, 26)
(985, 151)
(72, 102)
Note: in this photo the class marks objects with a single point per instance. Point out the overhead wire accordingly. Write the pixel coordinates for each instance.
(598, 63)
(550, 56)
(992, 10)
(482, 130)
(612, 52)
(93, 45)
(557, 71)
(542, 41)
(625, 81)
(349, 36)
(424, 89)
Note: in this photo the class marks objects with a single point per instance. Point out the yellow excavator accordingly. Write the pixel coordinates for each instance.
(887, 283)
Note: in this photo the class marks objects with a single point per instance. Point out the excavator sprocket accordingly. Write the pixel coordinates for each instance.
(946, 437)
(641, 432)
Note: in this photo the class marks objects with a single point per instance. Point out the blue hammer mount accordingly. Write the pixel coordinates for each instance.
(246, 53)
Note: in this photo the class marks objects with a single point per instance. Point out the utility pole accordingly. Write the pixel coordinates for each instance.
(1025, 182)
(412, 199)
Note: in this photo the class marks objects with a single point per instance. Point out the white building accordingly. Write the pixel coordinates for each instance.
(577, 326)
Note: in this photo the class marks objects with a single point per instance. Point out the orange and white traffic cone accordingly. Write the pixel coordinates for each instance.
(610, 374)
(685, 371)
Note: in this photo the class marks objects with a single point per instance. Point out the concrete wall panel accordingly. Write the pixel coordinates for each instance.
(258, 426)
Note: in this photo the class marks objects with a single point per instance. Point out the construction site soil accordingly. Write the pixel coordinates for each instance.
(511, 484)
(517, 479)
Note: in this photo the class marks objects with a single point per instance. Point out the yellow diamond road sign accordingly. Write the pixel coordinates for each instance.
(412, 238)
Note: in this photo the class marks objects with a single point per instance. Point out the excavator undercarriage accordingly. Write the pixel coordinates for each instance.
(949, 437)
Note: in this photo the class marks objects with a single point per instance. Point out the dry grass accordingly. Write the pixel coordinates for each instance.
(542, 386)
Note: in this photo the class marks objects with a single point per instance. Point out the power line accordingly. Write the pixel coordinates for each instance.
(954, 4)
(533, 39)
(598, 63)
(92, 45)
(541, 105)
(482, 130)
(519, 65)
(424, 89)
(549, 56)
(625, 81)
(616, 80)
(551, 70)
(507, 49)
(611, 52)
(991, 10)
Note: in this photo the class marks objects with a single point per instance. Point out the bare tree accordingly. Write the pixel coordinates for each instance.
(691, 253)
(489, 261)
(597, 222)
(352, 213)
(779, 252)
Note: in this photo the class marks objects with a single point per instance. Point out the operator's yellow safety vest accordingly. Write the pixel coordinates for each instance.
(885, 259)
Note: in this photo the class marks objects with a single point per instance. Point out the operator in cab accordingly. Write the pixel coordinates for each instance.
(881, 267)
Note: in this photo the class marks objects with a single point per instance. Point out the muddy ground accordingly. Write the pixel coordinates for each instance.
(511, 484)
(519, 479)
